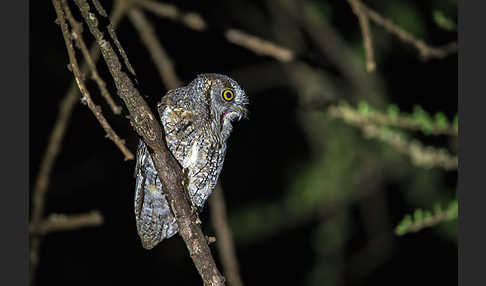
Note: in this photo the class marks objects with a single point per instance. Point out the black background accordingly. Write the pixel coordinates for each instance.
(90, 172)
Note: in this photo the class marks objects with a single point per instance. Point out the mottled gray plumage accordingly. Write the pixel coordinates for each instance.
(197, 122)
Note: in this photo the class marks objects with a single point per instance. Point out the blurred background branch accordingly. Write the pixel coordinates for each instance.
(59, 222)
(224, 238)
(426, 51)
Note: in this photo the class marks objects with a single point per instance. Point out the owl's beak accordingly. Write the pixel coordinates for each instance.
(242, 111)
(237, 111)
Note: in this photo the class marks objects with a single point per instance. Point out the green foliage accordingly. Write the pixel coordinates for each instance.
(442, 21)
(419, 119)
(423, 120)
(455, 123)
(363, 108)
(441, 120)
(425, 218)
(393, 111)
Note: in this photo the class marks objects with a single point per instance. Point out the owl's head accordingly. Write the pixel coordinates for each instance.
(227, 100)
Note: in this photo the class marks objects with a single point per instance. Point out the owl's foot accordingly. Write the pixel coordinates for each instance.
(210, 239)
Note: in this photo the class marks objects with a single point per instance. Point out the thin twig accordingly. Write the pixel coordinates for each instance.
(191, 20)
(259, 46)
(148, 127)
(365, 31)
(426, 51)
(224, 242)
(196, 22)
(59, 222)
(161, 59)
(77, 35)
(82, 87)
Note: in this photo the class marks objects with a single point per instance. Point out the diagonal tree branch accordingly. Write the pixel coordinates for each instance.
(159, 55)
(77, 35)
(148, 127)
(53, 148)
(57, 134)
(82, 87)
(216, 201)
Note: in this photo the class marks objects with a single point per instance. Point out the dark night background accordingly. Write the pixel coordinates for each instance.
(276, 165)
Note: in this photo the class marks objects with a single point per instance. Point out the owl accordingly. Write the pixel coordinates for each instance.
(197, 121)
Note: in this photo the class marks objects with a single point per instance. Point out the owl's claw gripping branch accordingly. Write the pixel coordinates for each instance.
(150, 130)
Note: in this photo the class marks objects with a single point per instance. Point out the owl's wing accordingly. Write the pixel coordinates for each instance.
(154, 218)
(152, 213)
(180, 126)
(191, 143)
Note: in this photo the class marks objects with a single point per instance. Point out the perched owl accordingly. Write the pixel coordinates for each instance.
(197, 122)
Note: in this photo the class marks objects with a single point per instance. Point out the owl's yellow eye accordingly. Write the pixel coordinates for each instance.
(228, 95)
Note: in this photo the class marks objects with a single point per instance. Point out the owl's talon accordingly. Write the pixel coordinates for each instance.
(210, 239)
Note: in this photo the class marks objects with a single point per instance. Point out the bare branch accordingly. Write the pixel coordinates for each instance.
(426, 51)
(59, 222)
(225, 243)
(57, 134)
(365, 31)
(80, 81)
(191, 20)
(148, 127)
(161, 59)
(53, 148)
(196, 22)
(77, 35)
(259, 46)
